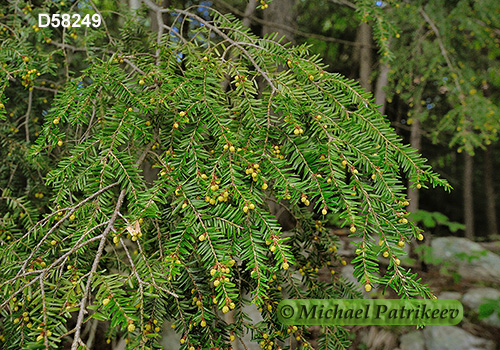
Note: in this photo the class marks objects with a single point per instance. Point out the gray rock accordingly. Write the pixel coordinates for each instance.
(252, 311)
(345, 247)
(467, 258)
(348, 274)
(477, 296)
(454, 338)
(450, 295)
(412, 341)
(170, 339)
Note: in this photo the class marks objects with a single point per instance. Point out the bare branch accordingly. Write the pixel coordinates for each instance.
(86, 293)
(43, 272)
(442, 48)
(45, 220)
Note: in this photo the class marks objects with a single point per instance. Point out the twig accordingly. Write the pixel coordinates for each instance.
(237, 44)
(344, 2)
(44, 311)
(55, 91)
(159, 10)
(26, 123)
(67, 46)
(481, 23)
(442, 48)
(134, 270)
(12, 176)
(42, 272)
(83, 302)
(141, 282)
(134, 67)
(72, 209)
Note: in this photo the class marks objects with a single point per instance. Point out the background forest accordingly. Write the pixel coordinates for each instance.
(431, 67)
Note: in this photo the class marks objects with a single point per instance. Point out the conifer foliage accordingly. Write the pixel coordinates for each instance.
(159, 161)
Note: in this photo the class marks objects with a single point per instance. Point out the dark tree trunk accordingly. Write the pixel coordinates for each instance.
(280, 12)
(415, 142)
(153, 16)
(249, 11)
(468, 197)
(364, 37)
(489, 190)
(379, 88)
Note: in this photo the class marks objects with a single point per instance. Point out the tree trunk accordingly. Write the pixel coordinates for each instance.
(280, 12)
(153, 15)
(468, 197)
(364, 37)
(489, 190)
(415, 142)
(249, 11)
(379, 88)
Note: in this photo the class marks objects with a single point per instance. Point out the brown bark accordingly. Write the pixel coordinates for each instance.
(468, 197)
(489, 191)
